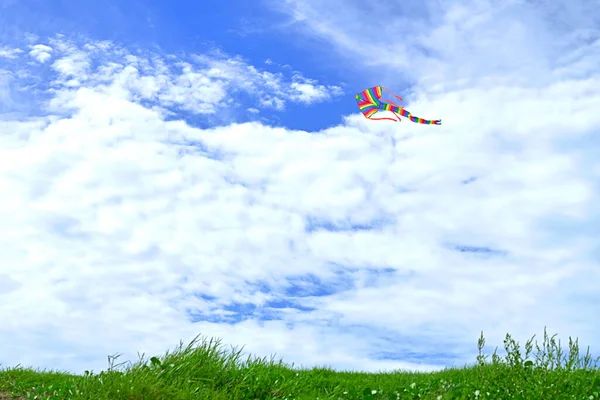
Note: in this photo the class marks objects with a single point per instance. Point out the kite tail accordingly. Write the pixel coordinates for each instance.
(401, 111)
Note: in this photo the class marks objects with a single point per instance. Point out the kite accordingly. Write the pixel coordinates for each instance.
(369, 101)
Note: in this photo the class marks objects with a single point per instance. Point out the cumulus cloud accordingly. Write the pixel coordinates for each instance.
(7, 52)
(361, 246)
(41, 52)
(306, 91)
(199, 84)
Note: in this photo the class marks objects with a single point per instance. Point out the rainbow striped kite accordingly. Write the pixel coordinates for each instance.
(369, 101)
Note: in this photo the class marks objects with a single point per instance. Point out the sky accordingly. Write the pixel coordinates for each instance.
(174, 170)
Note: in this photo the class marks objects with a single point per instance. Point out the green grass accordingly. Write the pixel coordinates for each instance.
(205, 370)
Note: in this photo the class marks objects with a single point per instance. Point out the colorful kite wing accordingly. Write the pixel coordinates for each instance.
(369, 102)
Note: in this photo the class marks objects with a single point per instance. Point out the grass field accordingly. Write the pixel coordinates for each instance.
(205, 370)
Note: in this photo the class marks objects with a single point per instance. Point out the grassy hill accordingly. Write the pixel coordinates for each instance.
(204, 370)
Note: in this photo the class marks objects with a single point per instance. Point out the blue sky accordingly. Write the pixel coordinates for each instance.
(173, 170)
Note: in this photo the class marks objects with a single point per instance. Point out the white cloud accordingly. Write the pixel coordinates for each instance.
(41, 52)
(200, 84)
(6, 52)
(116, 220)
(307, 91)
(5, 80)
(453, 44)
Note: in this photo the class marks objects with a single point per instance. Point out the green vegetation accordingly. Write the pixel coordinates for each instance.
(203, 370)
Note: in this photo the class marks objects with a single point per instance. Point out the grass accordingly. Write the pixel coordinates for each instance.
(204, 370)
